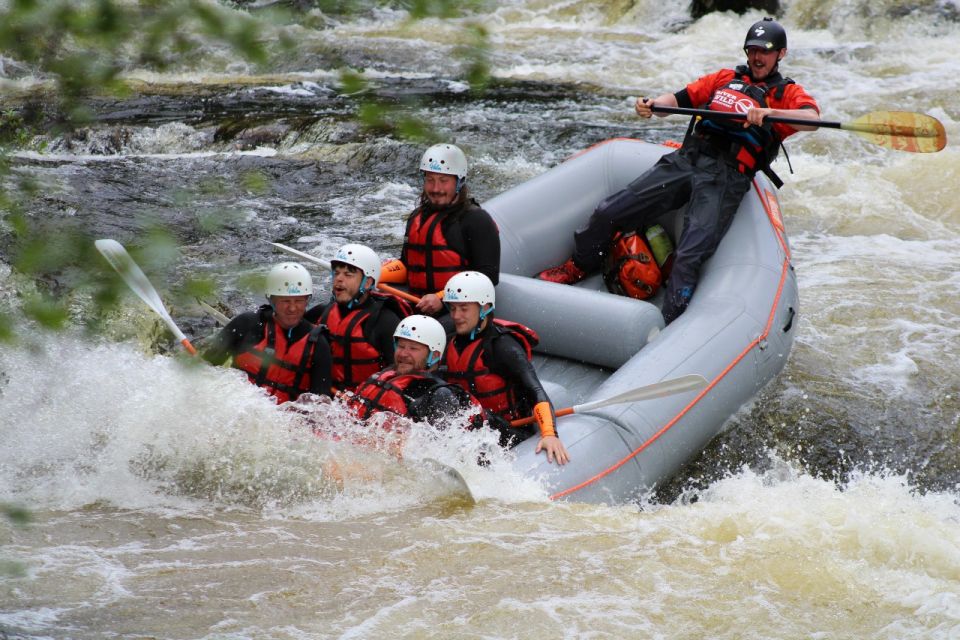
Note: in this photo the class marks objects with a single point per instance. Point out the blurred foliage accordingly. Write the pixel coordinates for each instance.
(80, 50)
(19, 516)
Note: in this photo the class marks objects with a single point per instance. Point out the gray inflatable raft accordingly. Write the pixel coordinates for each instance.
(737, 331)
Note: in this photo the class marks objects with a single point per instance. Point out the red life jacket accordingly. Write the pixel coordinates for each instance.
(468, 368)
(431, 262)
(385, 391)
(754, 148)
(280, 367)
(630, 269)
(354, 358)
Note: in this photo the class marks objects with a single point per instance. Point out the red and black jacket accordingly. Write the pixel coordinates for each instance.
(468, 365)
(734, 90)
(414, 395)
(439, 242)
(356, 351)
(430, 260)
(280, 366)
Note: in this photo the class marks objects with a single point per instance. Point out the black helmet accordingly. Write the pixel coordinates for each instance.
(767, 34)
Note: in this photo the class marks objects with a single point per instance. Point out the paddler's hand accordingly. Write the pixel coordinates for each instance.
(549, 442)
(644, 107)
(756, 116)
(554, 448)
(430, 304)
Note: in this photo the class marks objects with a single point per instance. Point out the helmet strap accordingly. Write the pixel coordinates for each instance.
(483, 317)
(357, 299)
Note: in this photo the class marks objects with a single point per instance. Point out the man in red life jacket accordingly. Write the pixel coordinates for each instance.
(491, 360)
(710, 173)
(448, 232)
(360, 323)
(411, 387)
(279, 350)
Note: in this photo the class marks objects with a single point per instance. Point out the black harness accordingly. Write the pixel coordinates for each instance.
(727, 139)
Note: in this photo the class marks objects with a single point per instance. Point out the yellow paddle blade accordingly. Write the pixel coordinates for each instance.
(900, 130)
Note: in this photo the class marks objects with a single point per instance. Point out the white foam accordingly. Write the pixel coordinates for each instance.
(890, 305)
(158, 433)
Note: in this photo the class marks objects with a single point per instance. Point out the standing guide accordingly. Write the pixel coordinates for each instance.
(278, 349)
(491, 360)
(448, 232)
(712, 170)
(360, 324)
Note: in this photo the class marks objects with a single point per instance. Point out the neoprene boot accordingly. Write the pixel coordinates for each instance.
(567, 273)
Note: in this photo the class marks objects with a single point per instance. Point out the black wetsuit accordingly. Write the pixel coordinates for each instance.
(469, 231)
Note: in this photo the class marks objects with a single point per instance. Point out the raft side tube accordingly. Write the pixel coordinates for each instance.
(588, 326)
(537, 220)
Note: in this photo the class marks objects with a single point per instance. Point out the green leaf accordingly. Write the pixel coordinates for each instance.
(255, 182)
(49, 313)
(7, 334)
(199, 288)
(352, 82)
(17, 514)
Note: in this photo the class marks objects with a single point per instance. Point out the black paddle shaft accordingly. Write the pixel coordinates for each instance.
(727, 115)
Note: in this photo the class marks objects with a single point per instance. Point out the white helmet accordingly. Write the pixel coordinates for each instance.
(445, 158)
(425, 330)
(362, 257)
(469, 286)
(288, 279)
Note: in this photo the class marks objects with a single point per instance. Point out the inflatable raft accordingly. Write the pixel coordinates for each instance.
(737, 331)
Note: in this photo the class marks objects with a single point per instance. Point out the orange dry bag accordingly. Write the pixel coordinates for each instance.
(630, 269)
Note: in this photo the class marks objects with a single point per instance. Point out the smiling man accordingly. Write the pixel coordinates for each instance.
(278, 349)
(710, 173)
(411, 387)
(491, 359)
(448, 232)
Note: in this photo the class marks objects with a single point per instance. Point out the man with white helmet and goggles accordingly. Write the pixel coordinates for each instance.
(275, 346)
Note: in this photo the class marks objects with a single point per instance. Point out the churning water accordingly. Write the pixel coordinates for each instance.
(176, 501)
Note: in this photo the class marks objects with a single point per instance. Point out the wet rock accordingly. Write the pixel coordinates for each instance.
(13, 69)
(700, 8)
(99, 142)
(266, 135)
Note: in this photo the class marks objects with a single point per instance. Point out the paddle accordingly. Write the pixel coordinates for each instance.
(326, 265)
(898, 130)
(213, 312)
(450, 478)
(393, 272)
(121, 261)
(689, 382)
